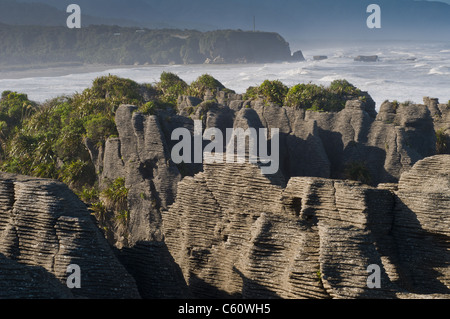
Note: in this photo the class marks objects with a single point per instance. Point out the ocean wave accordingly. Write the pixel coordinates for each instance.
(378, 82)
(440, 70)
(295, 72)
(403, 53)
(331, 78)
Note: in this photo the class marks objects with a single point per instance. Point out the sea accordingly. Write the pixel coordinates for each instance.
(404, 72)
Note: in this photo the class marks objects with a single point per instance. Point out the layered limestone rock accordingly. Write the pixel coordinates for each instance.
(44, 228)
(422, 224)
(441, 116)
(325, 144)
(140, 156)
(236, 233)
(312, 144)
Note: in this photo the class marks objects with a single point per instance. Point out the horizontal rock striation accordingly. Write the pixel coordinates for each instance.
(44, 228)
(422, 224)
(321, 144)
(226, 230)
(234, 233)
(312, 144)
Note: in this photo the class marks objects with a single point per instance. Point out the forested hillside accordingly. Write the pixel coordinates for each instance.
(26, 45)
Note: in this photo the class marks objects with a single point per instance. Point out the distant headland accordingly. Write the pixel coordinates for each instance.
(31, 46)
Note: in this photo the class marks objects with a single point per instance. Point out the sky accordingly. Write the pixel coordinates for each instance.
(295, 20)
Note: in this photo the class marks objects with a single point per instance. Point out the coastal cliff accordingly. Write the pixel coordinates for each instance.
(237, 233)
(114, 45)
(232, 232)
(354, 188)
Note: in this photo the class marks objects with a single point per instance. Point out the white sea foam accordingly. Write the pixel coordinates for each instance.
(393, 77)
(440, 70)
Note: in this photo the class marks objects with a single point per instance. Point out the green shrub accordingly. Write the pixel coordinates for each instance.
(99, 211)
(344, 88)
(122, 217)
(395, 105)
(151, 108)
(320, 98)
(115, 195)
(99, 127)
(407, 103)
(205, 83)
(273, 91)
(442, 142)
(358, 171)
(14, 108)
(89, 195)
(307, 96)
(75, 174)
(48, 141)
(251, 93)
(113, 86)
(172, 86)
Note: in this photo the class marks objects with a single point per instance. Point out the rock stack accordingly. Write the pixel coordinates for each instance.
(44, 228)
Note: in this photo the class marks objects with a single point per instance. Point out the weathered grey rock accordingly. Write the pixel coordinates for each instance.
(367, 58)
(44, 228)
(297, 56)
(235, 233)
(20, 281)
(422, 225)
(141, 156)
(432, 104)
(150, 177)
(311, 144)
(441, 118)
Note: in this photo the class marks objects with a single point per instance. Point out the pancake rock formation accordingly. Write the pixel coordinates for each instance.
(235, 233)
(44, 228)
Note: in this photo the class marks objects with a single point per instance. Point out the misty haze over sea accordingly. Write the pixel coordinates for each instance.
(413, 44)
(404, 72)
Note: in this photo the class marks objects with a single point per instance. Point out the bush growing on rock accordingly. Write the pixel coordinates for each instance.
(251, 93)
(49, 139)
(99, 127)
(320, 98)
(117, 88)
(14, 108)
(172, 86)
(344, 88)
(442, 142)
(205, 83)
(307, 96)
(273, 91)
(115, 195)
(358, 171)
(152, 107)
